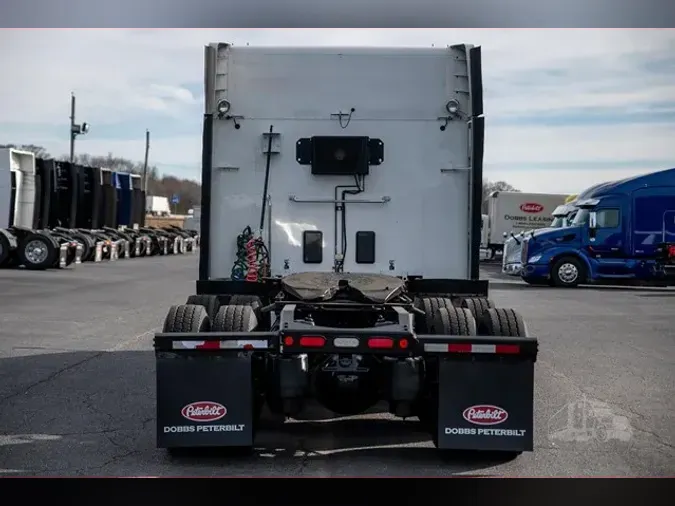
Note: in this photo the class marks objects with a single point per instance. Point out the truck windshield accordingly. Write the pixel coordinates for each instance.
(558, 222)
(582, 217)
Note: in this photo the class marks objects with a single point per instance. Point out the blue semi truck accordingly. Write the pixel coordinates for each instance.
(624, 233)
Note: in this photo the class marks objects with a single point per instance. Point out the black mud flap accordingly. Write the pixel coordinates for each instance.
(204, 399)
(486, 404)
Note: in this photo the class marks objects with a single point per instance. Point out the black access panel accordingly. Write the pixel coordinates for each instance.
(339, 155)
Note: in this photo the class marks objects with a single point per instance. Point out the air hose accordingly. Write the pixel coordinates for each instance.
(252, 259)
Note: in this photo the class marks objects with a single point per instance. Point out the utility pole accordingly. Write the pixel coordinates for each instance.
(145, 163)
(75, 129)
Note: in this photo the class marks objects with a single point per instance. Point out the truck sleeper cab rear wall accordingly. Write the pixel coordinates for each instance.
(298, 201)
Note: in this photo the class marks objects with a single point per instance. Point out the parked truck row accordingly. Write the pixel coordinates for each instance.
(618, 232)
(54, 214)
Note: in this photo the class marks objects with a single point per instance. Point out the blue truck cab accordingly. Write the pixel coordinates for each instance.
(619, 235)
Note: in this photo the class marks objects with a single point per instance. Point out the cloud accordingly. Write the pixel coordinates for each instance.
(591, 102)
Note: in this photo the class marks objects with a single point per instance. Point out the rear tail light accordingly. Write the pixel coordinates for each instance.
(380, 343)
(346, 342)
(312, 341)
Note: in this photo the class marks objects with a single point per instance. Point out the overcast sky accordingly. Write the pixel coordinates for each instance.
(564, 108)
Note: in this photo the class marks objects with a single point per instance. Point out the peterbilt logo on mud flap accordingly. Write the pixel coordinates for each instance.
(531, 207)
(204, 411)
(485, 414)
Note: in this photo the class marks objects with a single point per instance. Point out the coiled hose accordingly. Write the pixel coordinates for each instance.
(252, 259)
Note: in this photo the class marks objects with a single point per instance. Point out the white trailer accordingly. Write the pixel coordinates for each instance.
(516, 212)
(158, 206)
(340, 225)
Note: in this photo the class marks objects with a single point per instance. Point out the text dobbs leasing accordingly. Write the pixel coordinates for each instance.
(529, 219)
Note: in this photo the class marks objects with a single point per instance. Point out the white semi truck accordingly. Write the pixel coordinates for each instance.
(516, 212)
(340, 228)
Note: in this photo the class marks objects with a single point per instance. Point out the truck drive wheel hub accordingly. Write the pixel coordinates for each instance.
(36, 252)
(568, 273)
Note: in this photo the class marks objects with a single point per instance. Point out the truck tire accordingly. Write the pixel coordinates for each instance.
(5, 249)
(37, 251)
(430, 306)
(246, 300)
(235, 319)
(453, 321)
(187, 318)
(502, 322)
(477, 306)
(447, 321)
(568, 272)
(250, 300)
(88, 245)
(210, 303)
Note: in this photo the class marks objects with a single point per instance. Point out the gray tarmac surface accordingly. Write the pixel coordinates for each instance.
(77, 386)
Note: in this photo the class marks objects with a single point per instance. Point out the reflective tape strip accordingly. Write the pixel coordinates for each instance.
(436, 347)
(483, 348)
(219, 345)
(186, 345)
(472, 348)
(234, 345)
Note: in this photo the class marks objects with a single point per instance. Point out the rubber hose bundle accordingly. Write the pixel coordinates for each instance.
(252, 258)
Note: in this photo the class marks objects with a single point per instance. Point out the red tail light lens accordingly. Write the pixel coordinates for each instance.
(288, 341)
(403, 344)
(312, 341)
(380, 343)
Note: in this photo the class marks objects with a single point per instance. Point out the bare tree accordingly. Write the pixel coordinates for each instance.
(39, 151)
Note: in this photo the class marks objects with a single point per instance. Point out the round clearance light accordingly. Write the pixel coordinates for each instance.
(452, 107)
(223, 107)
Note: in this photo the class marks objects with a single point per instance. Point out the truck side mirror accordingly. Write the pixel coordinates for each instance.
(592, 224)
(593, 220)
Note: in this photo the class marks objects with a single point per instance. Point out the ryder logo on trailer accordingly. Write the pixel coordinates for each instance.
(531, 207)
(485, 414)
(204, 411)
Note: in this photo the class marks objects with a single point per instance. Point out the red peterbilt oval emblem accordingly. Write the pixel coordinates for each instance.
(204, 411)
(485, 414)
(531, 207)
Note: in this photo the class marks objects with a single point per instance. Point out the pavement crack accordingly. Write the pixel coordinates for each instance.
(51, 376)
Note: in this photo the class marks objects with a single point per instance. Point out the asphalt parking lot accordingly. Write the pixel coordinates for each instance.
(77, 386)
